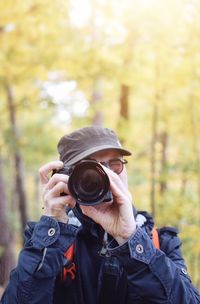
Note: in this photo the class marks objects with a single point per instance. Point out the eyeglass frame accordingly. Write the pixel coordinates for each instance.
(106, 164)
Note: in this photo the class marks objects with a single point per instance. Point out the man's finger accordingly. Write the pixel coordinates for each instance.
(46, 169)
(56, 178)
(59, 188)
(61, 201)
(116, 185)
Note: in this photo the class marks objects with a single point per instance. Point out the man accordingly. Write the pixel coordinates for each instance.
(98, 253)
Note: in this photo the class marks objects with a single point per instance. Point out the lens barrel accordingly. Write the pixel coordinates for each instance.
(89, 184)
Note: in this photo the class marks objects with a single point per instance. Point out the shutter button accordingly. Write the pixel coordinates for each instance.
(139, 248)
(51, 232)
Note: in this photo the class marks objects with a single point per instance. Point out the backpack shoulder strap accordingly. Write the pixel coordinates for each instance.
(155, 238)
(69, 270)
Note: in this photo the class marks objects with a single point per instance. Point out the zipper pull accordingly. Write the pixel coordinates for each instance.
(104, 250)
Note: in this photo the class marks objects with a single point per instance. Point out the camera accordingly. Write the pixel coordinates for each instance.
(88, 183)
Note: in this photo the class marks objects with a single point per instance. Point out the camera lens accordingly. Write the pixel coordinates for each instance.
(88, 183)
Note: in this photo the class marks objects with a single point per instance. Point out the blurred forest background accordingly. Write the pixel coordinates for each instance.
(131, 65)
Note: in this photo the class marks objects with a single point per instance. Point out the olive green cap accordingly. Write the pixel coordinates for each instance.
(83, 142)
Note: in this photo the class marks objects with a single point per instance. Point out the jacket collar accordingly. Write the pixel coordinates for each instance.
(144, 219)
(88, 225)
(77, 218)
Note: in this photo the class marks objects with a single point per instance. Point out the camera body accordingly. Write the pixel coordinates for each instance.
(88, 183)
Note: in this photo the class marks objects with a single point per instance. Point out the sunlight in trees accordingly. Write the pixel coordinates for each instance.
(131, 65)
(80, 12)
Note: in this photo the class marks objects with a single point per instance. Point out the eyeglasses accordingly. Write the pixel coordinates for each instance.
(115, 164)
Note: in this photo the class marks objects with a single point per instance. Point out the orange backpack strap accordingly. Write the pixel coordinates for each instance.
(69, 269)
(69, 254)
(155, 238)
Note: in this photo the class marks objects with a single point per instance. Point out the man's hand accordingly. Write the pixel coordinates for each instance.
(115, 217)
(51, 188)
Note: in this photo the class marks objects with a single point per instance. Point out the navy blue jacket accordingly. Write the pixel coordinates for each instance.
(136, 269)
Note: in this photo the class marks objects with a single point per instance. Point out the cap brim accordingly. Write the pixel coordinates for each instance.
(95, 149)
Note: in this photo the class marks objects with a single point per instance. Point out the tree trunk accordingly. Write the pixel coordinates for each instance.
(123, 122)
(155, 117)
(153, 158)
(183, 184)
(196, 149)
(6, 244)
(20, 189)
(198, 277)
(124, 97)
(163, 170)
(96, 104)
